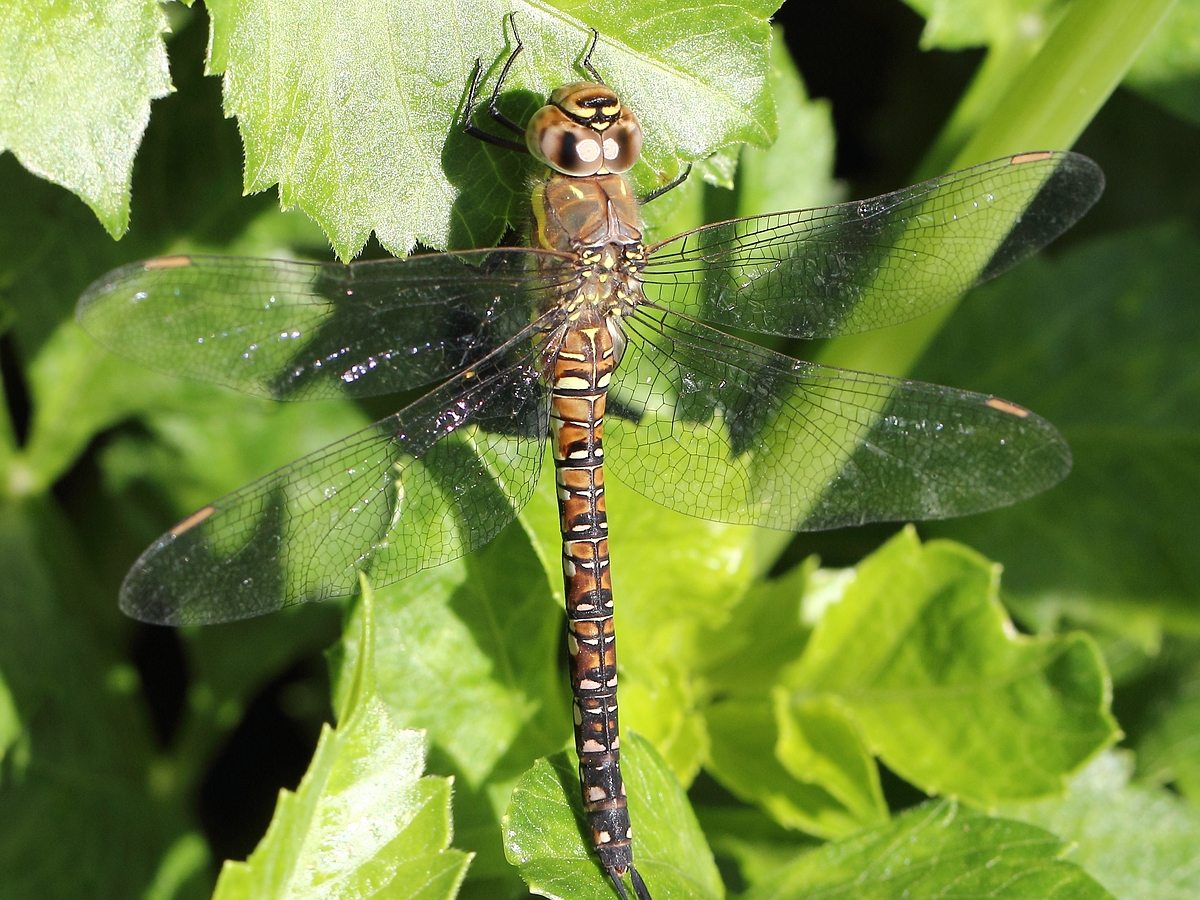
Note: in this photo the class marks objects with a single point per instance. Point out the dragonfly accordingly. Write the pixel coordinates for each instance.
(625, 356)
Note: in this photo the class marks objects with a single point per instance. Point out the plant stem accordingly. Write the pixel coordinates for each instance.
(1047, 107)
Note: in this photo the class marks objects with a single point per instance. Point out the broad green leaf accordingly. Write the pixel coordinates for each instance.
(1168, 70)
(355, 108)
(363, 822)
(1140, 843)
(544, 828)
(830, 788)
(78, 77)
(921, 654)
(934, 851)
(745, 757)
(1100, 341)
(82, 815)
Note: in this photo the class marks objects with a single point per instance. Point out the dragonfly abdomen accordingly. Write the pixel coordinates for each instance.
(583, 365)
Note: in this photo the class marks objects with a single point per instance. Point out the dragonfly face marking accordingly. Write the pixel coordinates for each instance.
(525, 343)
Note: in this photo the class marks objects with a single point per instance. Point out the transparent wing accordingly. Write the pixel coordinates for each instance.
(301, 330)
(714, 426)
(820, 273)
(424, 486)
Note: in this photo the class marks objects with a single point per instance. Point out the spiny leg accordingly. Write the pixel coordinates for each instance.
(586, 65)
(669, 186)
(493, 110)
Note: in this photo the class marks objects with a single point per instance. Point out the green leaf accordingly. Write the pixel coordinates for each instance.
(544, 831)
(1168, 70)
(921, 654)
(937, 850)
(363, 821)
(1140, 843)
(82, 813)
(1100, 342)
(745, 757)
(355, 108)
(78, 78)
(820, 741)
(756, 751)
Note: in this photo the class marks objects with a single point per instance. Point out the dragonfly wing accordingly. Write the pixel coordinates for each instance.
(301, 330)
(419, 488)
(714, 426)
(843, 269)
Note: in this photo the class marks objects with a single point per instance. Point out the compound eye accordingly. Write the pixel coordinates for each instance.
(622, 143)
(565, 145)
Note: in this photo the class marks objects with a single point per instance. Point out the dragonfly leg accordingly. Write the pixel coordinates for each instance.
(493, 103)
(586, 65)
(669, 186)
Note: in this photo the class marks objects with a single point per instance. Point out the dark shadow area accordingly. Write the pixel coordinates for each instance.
(889, 97)
(16, 391)
(837, 548)
(158, 655)
(899, 794)
(269, 750)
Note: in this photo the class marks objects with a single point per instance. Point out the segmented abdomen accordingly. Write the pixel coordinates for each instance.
(581, 372)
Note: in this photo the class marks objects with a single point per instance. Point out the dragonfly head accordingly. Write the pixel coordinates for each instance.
(584, 129)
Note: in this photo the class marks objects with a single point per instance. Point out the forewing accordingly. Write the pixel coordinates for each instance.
(714, 426)
(843, 269)
(300, 330)
(424, 486)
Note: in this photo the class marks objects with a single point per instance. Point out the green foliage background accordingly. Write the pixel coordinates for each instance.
(784, 721)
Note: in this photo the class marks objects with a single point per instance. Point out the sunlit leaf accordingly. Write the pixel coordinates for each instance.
(363, 822)
(354, 108)
(921, 654)
(1140, 843)
(543, 831)
(77, 79)
(934, 851)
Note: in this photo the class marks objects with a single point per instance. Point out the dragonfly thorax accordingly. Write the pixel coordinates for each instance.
(584, 129)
